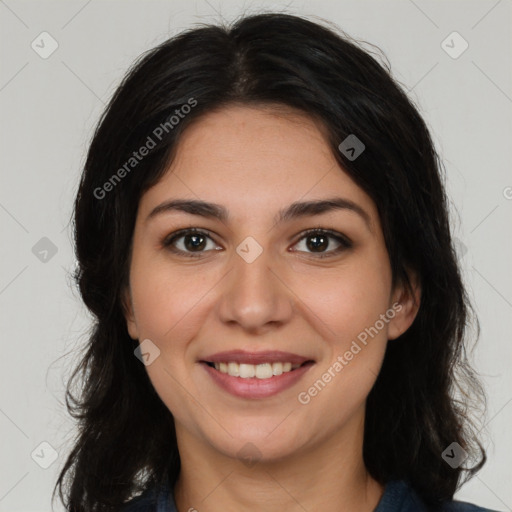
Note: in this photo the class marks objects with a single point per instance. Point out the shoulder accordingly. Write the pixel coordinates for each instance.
(154, 499)
(143, 503)
(400, 497)
(158, 498)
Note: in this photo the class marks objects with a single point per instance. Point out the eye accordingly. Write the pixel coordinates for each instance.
(317, 240)
(193, 241)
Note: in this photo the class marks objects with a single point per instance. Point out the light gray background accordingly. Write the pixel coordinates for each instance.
(50, 106)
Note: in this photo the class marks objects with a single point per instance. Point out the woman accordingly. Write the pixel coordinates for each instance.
(263, 239)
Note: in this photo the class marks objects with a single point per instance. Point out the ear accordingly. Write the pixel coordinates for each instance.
(127, 305)
(406, 303)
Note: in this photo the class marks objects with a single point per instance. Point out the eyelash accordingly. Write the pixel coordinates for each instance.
(345, 243)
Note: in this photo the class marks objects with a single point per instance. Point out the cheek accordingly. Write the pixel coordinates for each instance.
(164, 298)
(168, 312)
(349, 305)
(347, 299)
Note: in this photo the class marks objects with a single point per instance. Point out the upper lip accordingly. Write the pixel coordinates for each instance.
(243, 357)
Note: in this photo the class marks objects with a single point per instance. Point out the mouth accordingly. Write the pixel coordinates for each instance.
(262, 371)
(255, 375)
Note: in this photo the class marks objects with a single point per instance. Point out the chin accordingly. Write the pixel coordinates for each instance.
(263, 443)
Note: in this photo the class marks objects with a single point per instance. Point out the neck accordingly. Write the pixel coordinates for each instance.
(328, 476)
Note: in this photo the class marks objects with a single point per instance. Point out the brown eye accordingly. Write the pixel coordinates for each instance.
(319, 240)
(194, 242)
(189, 241)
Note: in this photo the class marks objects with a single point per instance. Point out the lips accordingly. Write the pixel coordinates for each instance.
(287, 369)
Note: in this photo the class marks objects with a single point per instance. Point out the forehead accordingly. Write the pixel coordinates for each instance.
(255, 160)
(260, 138)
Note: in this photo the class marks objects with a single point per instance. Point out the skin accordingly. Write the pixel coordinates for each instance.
(255, 161)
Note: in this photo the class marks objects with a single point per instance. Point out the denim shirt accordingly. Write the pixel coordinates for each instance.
(397, 497)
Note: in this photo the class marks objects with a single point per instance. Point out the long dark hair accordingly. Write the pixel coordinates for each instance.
(420, 402)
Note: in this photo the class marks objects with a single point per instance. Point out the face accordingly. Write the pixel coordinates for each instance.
(259, 284)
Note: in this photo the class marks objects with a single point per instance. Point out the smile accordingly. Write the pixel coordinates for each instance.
(255, 381)
(260, 371)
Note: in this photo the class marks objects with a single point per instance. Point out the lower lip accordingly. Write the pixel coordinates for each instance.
(254, 387)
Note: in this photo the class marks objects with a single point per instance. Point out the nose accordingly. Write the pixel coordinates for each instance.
(255, 296)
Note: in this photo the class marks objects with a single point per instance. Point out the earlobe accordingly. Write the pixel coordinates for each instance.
(407, 303)
(127, 305)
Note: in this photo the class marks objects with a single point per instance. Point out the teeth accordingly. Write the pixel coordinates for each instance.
(247, 371)
(260, 371)
(264, 371)
(233, 369)
(277, 368)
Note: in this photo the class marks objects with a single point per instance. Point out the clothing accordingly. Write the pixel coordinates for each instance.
(397, 497)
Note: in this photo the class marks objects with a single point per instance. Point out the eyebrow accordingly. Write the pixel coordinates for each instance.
(295, 210)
